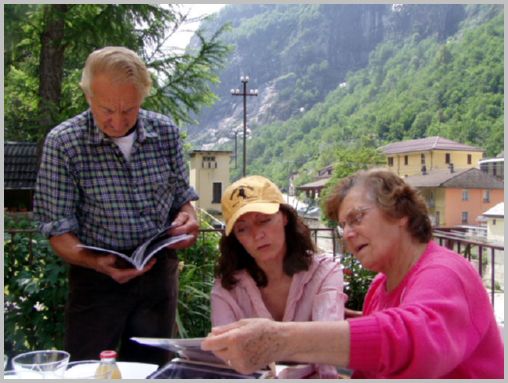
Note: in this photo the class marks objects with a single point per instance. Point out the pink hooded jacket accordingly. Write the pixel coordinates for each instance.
(314, 295)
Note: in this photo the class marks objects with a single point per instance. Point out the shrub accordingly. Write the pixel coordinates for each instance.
(35, 289)
(196, 281)
(357, 280)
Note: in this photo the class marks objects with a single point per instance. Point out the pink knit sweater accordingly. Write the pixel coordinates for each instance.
(438, 323)
(314, 295)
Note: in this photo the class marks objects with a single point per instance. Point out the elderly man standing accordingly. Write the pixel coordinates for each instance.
(112, 177)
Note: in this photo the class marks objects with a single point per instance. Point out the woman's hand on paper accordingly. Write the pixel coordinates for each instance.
(247, 345)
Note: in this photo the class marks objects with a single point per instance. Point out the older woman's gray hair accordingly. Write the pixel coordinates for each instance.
(391, 194)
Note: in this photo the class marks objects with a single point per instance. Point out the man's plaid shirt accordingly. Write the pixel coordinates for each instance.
(86, 186)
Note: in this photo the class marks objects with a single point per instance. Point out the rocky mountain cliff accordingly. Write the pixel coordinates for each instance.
(296, 54)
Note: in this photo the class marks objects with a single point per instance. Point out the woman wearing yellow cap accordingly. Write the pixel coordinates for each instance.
(269, 267)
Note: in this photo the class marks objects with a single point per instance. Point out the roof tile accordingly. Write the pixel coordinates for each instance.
(20, 165)
(425, 144)
(471, 178)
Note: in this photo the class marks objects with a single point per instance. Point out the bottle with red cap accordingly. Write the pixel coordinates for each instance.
(108, 369)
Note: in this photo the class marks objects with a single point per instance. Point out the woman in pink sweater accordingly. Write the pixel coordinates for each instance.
(268, 267)
(426, 314)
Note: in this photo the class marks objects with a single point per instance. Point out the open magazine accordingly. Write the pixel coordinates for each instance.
(140, 257)
(188, 348)
(179, 368)
(192, 362)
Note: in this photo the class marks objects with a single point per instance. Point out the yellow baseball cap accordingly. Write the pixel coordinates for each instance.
(250, 194)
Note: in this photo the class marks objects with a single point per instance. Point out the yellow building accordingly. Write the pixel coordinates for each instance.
(209, 175)
(408, 158)
(448, 175)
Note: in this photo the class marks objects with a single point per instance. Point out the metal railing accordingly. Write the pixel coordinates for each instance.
(471, 249)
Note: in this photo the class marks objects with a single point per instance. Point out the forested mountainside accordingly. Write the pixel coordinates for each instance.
(335, 77)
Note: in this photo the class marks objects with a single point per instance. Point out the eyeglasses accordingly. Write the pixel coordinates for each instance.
(354, 218)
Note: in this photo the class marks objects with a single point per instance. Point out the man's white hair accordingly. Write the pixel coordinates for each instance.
(122, 64)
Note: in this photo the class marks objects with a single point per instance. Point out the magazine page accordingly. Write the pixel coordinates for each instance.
(103, 250)
(138, 255)
(188, 348)
(171, 344)
(188, 369)
(146, 251)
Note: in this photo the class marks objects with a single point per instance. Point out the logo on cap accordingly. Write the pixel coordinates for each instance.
(241, 192)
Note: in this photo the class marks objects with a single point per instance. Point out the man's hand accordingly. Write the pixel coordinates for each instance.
(106, 264)
(185, 223)
(66, 246)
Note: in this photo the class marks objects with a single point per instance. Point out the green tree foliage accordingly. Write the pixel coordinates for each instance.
(411, 88)
(181, 81)
(349, 160)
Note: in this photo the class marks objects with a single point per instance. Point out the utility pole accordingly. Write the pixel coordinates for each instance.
(244, 94)
(236, 149)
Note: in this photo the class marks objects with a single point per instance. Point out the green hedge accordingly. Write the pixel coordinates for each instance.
(357, 280)
(35, 289)
(196, 282)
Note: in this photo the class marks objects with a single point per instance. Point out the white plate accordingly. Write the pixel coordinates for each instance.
(133, 370)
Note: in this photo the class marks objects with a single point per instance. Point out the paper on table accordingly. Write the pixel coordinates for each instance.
(188, 348)
(172, 344)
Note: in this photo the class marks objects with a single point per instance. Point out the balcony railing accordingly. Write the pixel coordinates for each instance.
(478, 252)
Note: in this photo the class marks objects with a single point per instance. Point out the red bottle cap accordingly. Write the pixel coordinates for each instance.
(107, 354)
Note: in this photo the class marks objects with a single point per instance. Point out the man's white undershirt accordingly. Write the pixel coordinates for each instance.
(125, 144)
